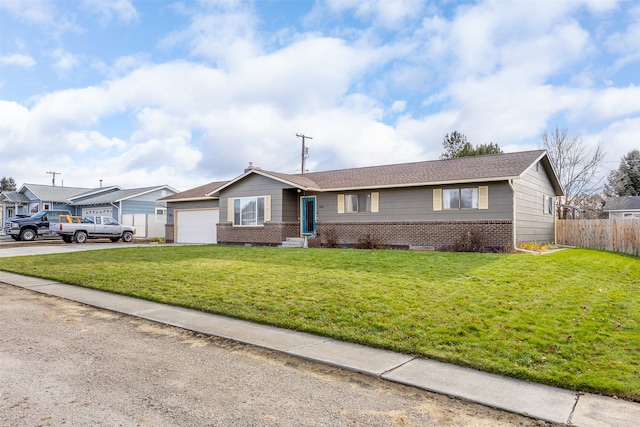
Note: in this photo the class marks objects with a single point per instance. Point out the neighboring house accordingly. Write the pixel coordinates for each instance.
(623, 207)
(508, 197)
(138, 206)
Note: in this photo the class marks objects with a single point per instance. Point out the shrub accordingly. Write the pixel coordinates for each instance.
(330, 238)
(368, 241)
(471, 241)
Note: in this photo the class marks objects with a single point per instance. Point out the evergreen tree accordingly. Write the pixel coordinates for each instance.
(7, 184)
(457, 145)
(625, 181)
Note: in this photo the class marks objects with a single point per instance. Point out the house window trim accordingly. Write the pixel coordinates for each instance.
(160, 214)
(266, 215)
(374, 203)
(547, 205)
(482, 198)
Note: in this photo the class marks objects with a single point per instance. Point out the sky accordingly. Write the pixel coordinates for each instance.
(183, 93)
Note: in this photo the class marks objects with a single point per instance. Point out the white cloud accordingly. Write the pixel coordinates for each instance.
(18, 60)
(121, 10)
(63, 60)
(33, 11)
(389, 14)
(223, 33)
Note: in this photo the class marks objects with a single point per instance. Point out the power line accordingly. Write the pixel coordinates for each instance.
(304, 149)
(53, 181)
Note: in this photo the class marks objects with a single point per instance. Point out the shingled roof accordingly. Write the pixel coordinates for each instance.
(50, 193)
(495, 167)
(198, 193)
(627, 203)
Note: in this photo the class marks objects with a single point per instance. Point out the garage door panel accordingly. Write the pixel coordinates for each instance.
(196, 226)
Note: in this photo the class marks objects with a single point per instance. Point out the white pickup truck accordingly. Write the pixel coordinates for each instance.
(74, 229)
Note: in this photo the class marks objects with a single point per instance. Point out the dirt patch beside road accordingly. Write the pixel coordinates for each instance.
(66, 363)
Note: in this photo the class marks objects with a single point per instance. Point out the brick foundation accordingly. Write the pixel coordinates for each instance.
(168, 233)
(271, 234)
(439, 234)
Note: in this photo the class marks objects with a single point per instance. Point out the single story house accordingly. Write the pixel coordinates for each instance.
(138, 206)
(510, 198)
(623, 207)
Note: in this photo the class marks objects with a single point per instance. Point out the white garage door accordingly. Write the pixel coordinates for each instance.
(196, 226)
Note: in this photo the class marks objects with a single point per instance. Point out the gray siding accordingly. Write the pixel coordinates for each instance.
(254, 186)
(290, 205)
(152, 196)
(532, 223)
(416, 204)
(136, 206)
(196, 204)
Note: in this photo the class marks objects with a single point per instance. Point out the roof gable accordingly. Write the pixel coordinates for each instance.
(199, 193)
(120, 195)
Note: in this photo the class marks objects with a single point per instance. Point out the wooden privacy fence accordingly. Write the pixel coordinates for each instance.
(617, 235)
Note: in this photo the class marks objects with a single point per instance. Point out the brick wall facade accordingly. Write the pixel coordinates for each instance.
(272, 233)
(168, 233)
(439, 234)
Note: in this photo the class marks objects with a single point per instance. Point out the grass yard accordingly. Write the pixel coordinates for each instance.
(569, 319)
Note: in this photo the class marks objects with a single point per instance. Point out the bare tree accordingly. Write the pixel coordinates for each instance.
(577, 166)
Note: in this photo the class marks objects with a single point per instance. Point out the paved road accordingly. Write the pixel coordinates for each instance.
(63, 363)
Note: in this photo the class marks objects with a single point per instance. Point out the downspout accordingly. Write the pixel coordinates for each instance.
(513, 191)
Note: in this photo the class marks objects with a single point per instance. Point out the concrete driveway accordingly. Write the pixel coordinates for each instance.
(10, 247)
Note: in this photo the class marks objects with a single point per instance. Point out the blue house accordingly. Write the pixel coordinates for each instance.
(137, 206)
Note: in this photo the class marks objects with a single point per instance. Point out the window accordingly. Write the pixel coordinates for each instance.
(362, 202)
(249, 211)
(161, 214)
(46, 206)
(460, 198)
(548, 205)
(357, 203)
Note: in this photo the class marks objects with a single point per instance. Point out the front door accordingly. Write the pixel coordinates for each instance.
(308, 216)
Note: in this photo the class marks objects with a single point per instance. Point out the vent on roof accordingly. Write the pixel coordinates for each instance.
(251, 167)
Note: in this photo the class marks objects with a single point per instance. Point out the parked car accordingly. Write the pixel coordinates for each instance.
(36, 225)
(91, 227)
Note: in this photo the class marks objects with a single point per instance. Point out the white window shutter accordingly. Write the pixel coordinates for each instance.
(340, 203)
(230, 204)
(267, 208)
(437, 199)
(483, 197)
(375, 202)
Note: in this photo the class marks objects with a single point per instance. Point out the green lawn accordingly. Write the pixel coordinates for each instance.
(570, 318)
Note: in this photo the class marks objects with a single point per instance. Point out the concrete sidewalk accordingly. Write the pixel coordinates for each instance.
(534, 400)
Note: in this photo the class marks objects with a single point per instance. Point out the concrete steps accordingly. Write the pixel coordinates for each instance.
(293, 242)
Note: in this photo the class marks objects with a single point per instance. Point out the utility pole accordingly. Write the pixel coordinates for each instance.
(53, 181)
(305, 150)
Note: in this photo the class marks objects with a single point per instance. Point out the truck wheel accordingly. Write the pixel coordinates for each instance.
(80, 237)
(127, 236)
(67, 239)
(28, 234)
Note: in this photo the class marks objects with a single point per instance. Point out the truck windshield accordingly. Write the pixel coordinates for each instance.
(39, 215)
